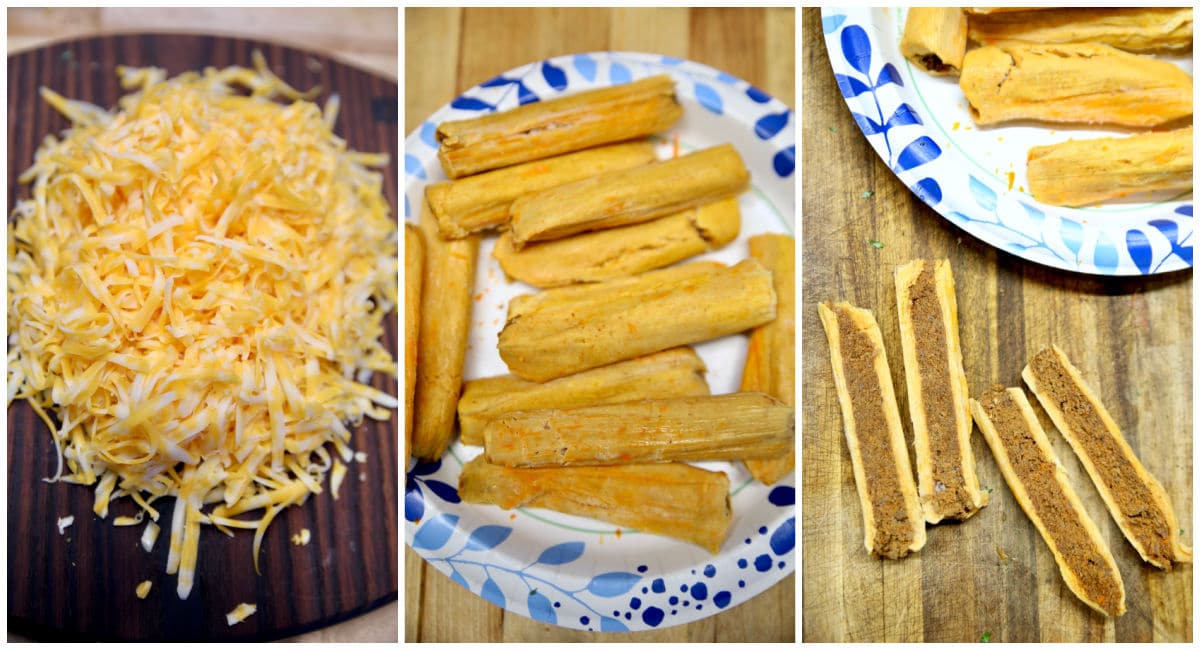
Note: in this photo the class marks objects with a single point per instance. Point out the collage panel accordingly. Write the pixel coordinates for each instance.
(997, 325)
(202, 430)
(600, 213)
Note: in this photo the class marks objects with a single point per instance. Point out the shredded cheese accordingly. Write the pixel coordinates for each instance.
(240, 613)
(149, 536)
(143, 589)
(197, 290)
(64, 523)
(302, 538)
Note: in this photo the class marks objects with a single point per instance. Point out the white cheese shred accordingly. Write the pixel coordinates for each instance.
(196, 289)
(240, 613)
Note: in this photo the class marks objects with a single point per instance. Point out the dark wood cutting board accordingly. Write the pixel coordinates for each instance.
(80, 585)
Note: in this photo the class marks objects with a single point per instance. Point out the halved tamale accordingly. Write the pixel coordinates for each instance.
(1135, 499)
(1041, 487)
(1133, 29)
(1079, 172)
(937, 391)
(892, 520)
(935, 39)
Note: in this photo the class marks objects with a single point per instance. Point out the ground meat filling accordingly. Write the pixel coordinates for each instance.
(1063, 524)
(950, 497)
(893, 529)
(1144, 520)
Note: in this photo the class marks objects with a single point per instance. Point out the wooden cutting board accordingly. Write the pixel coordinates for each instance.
(991, 575)
(80, 585)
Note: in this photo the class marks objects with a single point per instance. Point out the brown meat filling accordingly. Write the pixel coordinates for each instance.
(893, 529)
(1144, 520)
(1063, 524)
(950, 496)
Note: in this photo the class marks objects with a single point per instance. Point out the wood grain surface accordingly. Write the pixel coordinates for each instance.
(81, 584)
(450, 50)
(993, 574)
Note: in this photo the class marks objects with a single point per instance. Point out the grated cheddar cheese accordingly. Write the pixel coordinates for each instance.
(196, 293)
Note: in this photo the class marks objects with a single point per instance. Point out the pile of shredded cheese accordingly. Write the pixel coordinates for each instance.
(196, 292)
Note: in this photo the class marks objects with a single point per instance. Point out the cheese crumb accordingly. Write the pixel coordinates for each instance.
(64, 523)
(360, 456)
(336, 476)
(143, 589)
(149, 536)
(301, 538)
(240, 613)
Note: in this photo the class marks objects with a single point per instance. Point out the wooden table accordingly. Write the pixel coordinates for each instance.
(1132, 340)
(450, 50)
(366, 38)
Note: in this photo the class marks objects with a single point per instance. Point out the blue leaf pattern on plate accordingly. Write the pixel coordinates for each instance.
(525, 95)
(709, 99)
(670, 60)
(612, 584)
(784, 162)
(1170, 230)
(856, 48)
(917, 153)
(888, 75)
(541, 609)
(457, 577)
(555, 77)
(1072, 234)
(414, 502)
(928, 191)
(902, 116)
(496, 82)
(471, 104)
(426, 468)
(561, 553)
(619, 74)
(1185, 210)
(434, 533)
(487, 537)
(1106, 258)
(757, 96)
(768, 125)
(850, 86)
(586, 66)
(868, 125)
(984, 195)
(445, 491)
(492, 593)
(782, 496)
(829, 24)
(413, 166)
(1139, 249)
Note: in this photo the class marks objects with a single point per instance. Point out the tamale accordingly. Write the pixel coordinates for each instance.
(716, 427)
(481, 201)
(677, 372)
(618, 252)
(937, 391)
(893, 524)
(1079, 172)
(935, 39)
(562, 331)
(671, 499)
(1135, 499)
(771, 353)
(414, 265)
(1133, 29)
(628, 196)
(557, 126)
(1044, 492)
(1080, 83)
(449, 277)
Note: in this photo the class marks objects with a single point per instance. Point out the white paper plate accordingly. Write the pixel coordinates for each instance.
(975, 176)
(576, 572)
